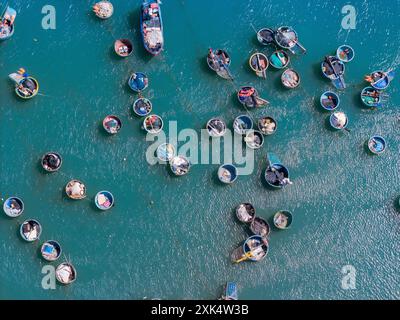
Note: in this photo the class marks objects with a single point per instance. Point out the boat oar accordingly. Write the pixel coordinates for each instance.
(263, 72)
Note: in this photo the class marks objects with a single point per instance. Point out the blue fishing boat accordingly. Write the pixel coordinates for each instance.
(372, 97)
(51, 250)
(142, 107)
(377, 145)
(283, 219)
(287, 38)
(345, 53)
(13, 207)
(255, 249)
(279, 59)
(151, 26)
(7, 19)
(219, 61)
(333, 69)
(338, 120)
(276, 174)
(380, 80)
(104, 200)
(231, 292)
(329, 100)
(242, 124)
(138, 81)
(227, 173)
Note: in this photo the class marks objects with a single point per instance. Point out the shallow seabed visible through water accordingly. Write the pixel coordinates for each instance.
(171, 238)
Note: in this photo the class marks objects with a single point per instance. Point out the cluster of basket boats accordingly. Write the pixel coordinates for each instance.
(285, 41)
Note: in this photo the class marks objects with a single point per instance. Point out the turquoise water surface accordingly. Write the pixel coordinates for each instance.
(171, 238)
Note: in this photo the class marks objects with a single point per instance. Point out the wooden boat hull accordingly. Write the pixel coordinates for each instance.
(160, 45)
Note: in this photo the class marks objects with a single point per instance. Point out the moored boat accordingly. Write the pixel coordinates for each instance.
(104, 200)
(377, 144)
(7, 19)
(338, 120)
(287, 38)
(254, 139)
(26, 87)
(66, 273)
(259, 64)
(279, 59)
(227, 173)
(219, 61)
(329, 101)
(138, 81)
(30, 230)
(266, 36)
(283, 219)
(333, 69)
(372, 97)
(76, 190)
(112, 124)
(345, 53)
(179, 165)
(142, 107)
(51, 250)
(242, 124)
(255, 248)
(51, 161)
(248, 96)
(153, 124)
(231, 292)
(103, 9)
(151, 26)
(380, 80)
(290, 79)
(216, 127)
(165, 152)
(245, 212)
(260, 227)
(276, 174)
(123, 47)
(267, 125)
(13, 207)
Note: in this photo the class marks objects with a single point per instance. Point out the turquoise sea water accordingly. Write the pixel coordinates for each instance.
(171, 238)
